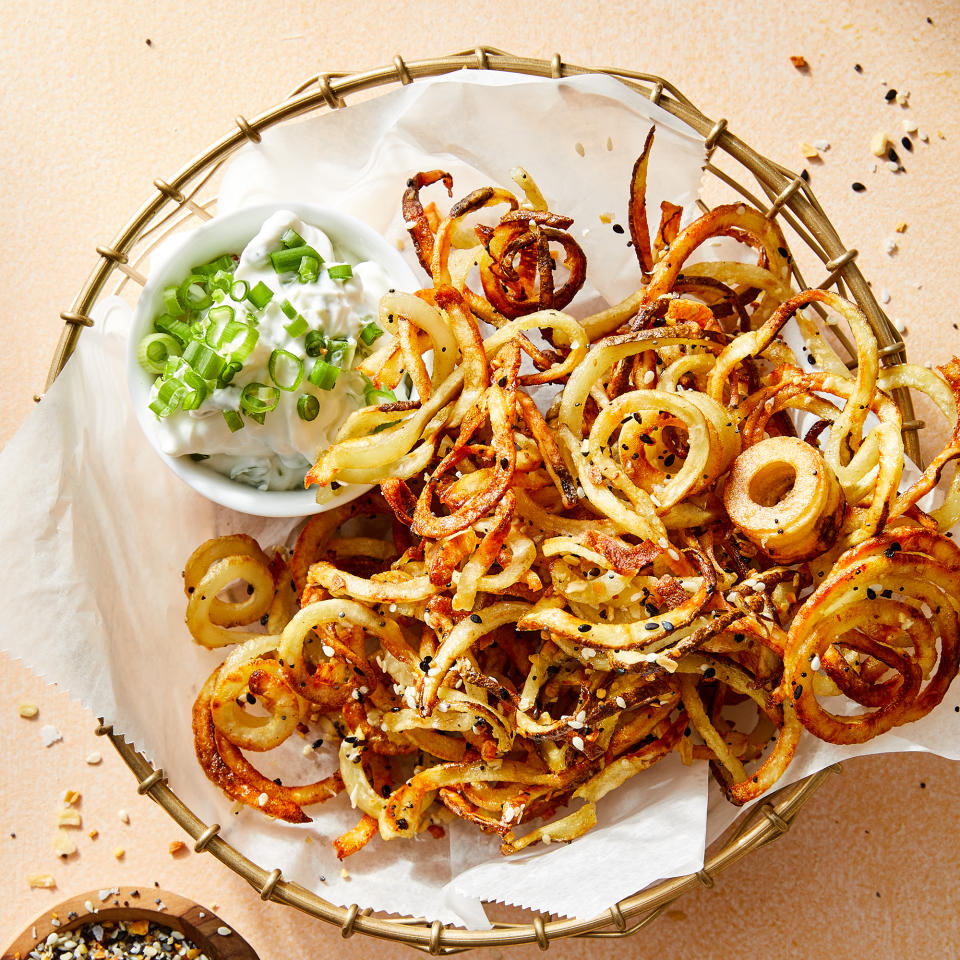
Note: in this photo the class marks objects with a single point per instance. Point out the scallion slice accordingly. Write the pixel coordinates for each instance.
(324, 375)
(289, 259)
(289, 310)
(309, 270)
(286, 370)
(340, 271)
(257, 398)
(177, 328)
(315, 343)
(155, 349)
(308, 406)
(193, 294)
(228, 373)
(297, 327)
(291, 238)
(205, 361)
(198, 390)
(209, 269)
(238, 339)
(234, 420)
(239, 290)
(171, 302)
(169, 395)
(260, 295)
(341, 353)
(370, 332)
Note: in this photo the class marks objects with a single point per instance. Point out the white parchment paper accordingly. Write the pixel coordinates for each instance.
(97, 530)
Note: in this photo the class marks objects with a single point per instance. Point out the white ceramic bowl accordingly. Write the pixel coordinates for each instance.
(230, 233)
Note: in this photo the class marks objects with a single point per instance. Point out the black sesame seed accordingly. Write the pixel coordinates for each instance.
(798, 691)
(402, 823)
(871, 594)
(585, 628)
(907, 145)
(858, 187)
(804, 175)
(739, 637)
(651, 609)
(890, 95)
(251, 698)
(858, 68)
(668, 460)
(708, 673)
(667, 625)
(617, 228)
(893, 156)
(476, 618)
(811, 359)
(652, 626)
(504, 463)
(317, 744)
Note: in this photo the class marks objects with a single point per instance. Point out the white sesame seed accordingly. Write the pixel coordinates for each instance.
(648, 377)
(923, 135)
(575, 724)
(123, 816)
(890, 246)
(822, 145)
(899, 326)
(93, 759)
(910, 126)
(588, 652)
(328, 651)
(582, 715)
(815, 664)
(621, 703)
(577, 743)
(262, 800)
(884, 296)
(893, 166)
(224, 931)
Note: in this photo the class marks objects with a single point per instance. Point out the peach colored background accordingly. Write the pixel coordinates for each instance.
(91, 114)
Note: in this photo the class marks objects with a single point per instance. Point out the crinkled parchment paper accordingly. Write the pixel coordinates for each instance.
(96, 529)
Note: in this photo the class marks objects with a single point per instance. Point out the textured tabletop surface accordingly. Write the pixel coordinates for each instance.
(100, 98)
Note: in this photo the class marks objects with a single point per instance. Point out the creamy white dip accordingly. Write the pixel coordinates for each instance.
(275, 455)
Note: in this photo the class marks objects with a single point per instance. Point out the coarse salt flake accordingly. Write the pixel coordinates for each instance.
(50, 735)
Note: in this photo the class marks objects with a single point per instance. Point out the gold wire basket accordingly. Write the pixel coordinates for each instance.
(189, 195)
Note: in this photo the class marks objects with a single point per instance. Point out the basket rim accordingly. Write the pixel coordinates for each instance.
(787, 195)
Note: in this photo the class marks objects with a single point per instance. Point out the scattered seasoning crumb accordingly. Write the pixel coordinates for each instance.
(41, 881)
(822, 145)
(28, 710)
(176, 846)
(93, 759)
(878, 143)
(857, 186)
(93, 834)
(123, 816)
(63, 845)
(578, 146)
(800, 62)
(124, 938)
(148, 42)
(69, 818)
(890, 246)
(606, 218)
(923, 786)
(809, 151)
(609, 143)
(941, 135)
(50, 735)
(903, 98)
(885, 296)
(344, 873)
(901, 227)
(119, 852)
(71, 797)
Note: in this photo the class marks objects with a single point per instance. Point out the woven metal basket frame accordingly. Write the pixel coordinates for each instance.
(779, 192)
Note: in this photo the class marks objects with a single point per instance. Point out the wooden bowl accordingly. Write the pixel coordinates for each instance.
(198, 924)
